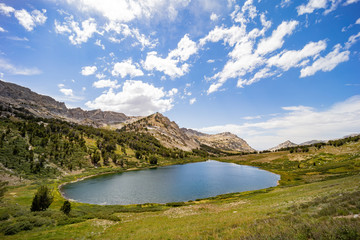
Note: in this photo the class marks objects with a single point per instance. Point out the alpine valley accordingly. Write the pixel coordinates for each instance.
(44, 145)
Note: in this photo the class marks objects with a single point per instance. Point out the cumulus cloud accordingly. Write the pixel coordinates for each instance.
(348, 2)
(327, 63)
(2, 30)
(298, 124)
(169, 65)
(6, 10)
(88, 70)
(352, 40)
(30, 20)
(254, 56)
(311, 6)
(129, 10)
(67, 91)
(106, 84)
(357, 21)
(98, 43)
(126, 68)
(8, 67)
(276, 40)
(192, 101)
(214, 17)
(125, 31)
(78, 34)
(289, 59)
(135, 98)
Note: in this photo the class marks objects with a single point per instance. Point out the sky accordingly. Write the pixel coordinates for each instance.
(266, 70)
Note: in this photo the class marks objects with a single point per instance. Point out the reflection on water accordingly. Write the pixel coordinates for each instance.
(170, 184)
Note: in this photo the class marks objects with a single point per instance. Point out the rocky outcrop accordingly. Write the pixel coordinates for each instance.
(47, 107)
(224, 141)
(285, 144)
(166, 131)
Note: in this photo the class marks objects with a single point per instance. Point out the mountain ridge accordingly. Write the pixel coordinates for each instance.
(166, 131)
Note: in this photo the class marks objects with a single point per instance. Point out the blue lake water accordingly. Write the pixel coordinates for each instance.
(170, 184)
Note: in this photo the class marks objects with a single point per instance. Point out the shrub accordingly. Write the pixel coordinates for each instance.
(66, 207)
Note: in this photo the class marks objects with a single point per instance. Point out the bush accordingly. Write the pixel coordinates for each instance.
(66, 207)
(18, 227)
(42, 199)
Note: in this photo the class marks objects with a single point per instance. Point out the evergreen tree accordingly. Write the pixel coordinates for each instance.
(42, 199)
(66, 207)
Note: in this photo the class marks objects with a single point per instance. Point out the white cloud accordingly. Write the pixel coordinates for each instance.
(210, 61)
(17, 70)
(327, 63)
(172, 92)
(61, 85)
(6, 10)
(135, 98)
(2, 30)
(29, 21)
(352, 40)
(285, 3)
(126, 31)
(88, 70)
(77, 34)
(214, 17)
(15, 38)
(98, 43)
(169, 65)
(276, 40)
(125, 68)
(348, 2)
(106, 84)
(100, 76)
(192, 101)
(67, 91)
(298, 124)
(311, 6)
(129, 10)
(357, 21)
(289, 59)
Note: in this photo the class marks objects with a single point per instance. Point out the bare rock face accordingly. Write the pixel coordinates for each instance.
(47, 107)
(166, 131)
(285, 144)
(224, 141)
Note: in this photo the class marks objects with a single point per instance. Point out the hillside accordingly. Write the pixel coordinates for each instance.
(46, 107)
(166, 131)
(13, 96)
(224, 141)
(318, 198)
(286, 144)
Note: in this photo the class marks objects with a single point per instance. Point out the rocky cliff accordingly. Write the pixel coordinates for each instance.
(285, 144)
(224, 141)
(47, 107)
(166, 131)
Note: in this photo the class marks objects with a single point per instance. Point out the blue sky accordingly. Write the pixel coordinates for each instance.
(266, 70)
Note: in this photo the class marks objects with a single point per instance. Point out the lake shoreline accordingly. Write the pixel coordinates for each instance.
(243, 185)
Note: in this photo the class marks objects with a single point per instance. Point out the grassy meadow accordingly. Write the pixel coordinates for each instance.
(318, 197)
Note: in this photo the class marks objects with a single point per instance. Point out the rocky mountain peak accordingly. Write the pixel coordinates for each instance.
(285, 144)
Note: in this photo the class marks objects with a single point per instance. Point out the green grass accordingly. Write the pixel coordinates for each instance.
(318, 198)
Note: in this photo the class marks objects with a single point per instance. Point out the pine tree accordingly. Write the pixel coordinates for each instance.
(42, 199)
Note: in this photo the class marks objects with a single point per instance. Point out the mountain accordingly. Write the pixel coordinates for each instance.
(224, 141)
(47, 107)
(285, 144)
(166, 131)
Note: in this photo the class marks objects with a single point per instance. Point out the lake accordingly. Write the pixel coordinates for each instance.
(174, 183)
